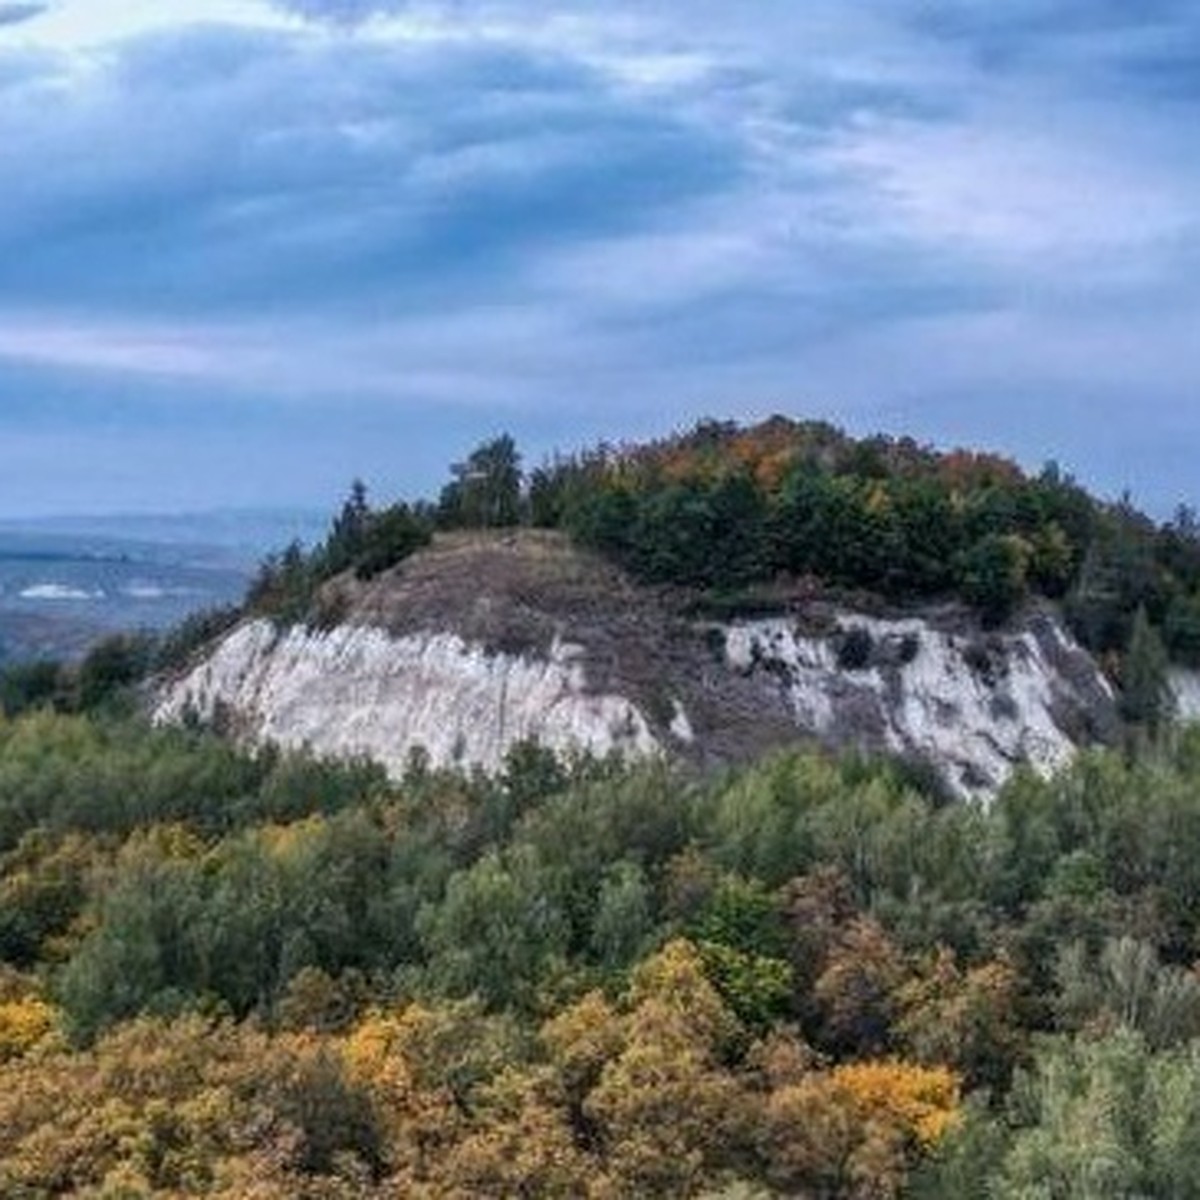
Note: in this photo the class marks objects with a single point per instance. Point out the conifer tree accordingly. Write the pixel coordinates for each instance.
(1146, 696)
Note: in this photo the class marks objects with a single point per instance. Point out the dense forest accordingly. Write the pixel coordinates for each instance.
(257, 975)
(263, 976)
(729, 512)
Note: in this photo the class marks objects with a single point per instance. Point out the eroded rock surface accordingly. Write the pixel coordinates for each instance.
(359, 690)
(481, 643)
(972, 706)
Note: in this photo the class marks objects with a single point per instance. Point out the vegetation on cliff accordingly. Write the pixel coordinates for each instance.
(723, 509)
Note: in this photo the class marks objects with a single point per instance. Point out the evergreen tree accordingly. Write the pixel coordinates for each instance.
(1145, 695)
(486, 490)
(347, 537)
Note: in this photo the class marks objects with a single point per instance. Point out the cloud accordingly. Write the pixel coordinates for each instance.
(341, 12)
(18, 14)
(223, 167)
(598, 218)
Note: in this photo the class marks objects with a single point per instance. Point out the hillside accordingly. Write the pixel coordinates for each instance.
(713, 596)
(486, 639)
(293, 943)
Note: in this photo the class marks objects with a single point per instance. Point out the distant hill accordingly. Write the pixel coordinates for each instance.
(243, 535)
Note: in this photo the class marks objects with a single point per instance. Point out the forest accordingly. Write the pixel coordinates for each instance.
(240, 974)
(264, 976)
(728, 514)
(723, 508)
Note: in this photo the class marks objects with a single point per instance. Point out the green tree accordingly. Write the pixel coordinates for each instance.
(389, 538)
(39, 684)
(1106, 1119)
(1181, 629)
(1145, 692)
(994, 575)
(347, 535)
(624, 916)
(486, 490)
(114, 664)
(497, 930)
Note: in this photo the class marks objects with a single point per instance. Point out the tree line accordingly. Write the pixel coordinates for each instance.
(722, 509)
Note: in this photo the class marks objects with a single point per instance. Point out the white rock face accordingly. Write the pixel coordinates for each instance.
(1185, 689)
(974, 718)
(359, 691)
(973, 707)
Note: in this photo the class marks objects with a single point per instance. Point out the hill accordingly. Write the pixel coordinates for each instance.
(233, 970)
(712, 596)
(486, 639)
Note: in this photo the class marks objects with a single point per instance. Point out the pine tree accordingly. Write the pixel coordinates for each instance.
(1146, 695)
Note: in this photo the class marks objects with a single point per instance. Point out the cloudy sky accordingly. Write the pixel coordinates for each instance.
(249, 250)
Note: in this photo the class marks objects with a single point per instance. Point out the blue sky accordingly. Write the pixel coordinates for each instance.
(249, 250)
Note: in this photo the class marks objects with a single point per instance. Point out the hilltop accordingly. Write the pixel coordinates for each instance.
(709, 596)
(725, 510)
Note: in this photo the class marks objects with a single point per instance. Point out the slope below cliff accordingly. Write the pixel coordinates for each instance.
(484, 640)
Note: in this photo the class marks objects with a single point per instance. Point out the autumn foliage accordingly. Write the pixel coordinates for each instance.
(233, 976)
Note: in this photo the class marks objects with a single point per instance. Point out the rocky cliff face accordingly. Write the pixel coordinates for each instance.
(480, 643)
(357, 690)
(974, 707)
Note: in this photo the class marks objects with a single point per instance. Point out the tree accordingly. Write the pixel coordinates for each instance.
(112, 665)
(347, 535)
(486, 490)
(284, 586)
(38, 684)
(1145, 691)
(966, 1019)
(1106, 1118)
(666, 1107)
(1181, 629)
(623, 921)
(1127, 985)
(994, 575)
(388, 539)
(497, 930)
(855, 1131)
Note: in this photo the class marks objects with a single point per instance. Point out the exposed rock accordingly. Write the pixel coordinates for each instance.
(1185, 691)
(972, 708)
(359, 690)
(482, 642)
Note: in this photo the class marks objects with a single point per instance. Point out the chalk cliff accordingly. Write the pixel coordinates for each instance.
(481, 642)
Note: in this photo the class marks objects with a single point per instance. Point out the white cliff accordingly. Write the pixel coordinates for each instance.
(973, 707)
(356, 690)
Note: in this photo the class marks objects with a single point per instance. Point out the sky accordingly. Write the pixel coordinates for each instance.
(251, 249)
